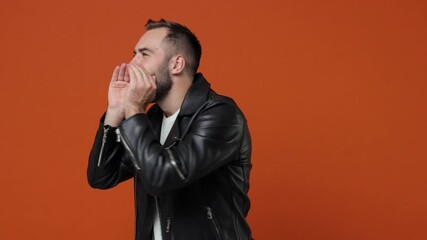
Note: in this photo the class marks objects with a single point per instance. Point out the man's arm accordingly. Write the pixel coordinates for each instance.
(106, 166)
(213, 140)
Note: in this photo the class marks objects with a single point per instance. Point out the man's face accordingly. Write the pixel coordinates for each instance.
(150, 54)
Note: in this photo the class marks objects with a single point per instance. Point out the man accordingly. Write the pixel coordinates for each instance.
(189, 155)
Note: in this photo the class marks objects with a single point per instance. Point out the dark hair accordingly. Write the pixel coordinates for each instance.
(180, 38)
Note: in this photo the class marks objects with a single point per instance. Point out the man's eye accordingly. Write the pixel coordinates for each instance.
(142, 53)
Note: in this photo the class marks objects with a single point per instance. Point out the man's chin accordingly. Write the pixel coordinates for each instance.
(161, 94)
(158, 98)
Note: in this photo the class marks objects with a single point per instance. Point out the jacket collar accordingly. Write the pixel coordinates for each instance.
(196, 95)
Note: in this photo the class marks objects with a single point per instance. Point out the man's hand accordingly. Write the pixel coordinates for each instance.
(141, 90)
(117, 92)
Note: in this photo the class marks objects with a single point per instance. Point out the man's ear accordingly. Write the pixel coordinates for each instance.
(178, 64)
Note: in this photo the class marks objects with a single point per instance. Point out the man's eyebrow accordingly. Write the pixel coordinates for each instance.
(144, 49)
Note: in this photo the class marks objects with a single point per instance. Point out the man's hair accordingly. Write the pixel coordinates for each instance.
(179, 38)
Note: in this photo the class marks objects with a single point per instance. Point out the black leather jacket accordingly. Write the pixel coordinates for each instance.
(199, 178)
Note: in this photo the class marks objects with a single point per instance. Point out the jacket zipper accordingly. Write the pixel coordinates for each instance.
(135, 202)
(121, 139)
(214, 223)
(168, 225)
(175, 165)
(168, 219)
(132, 156)
(104, 140)
(156, 200)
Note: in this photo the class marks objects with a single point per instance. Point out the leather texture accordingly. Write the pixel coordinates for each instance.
(199, 178)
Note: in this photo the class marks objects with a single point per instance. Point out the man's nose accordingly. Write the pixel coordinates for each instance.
(136, 59)
(133, 60)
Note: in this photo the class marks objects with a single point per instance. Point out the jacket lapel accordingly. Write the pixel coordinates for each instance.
(155, 115)
(196, 96)
(173, 135)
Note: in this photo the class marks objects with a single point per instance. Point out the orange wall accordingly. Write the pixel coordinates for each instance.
(335, 93)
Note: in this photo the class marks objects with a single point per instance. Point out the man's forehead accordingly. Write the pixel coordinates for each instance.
(152, 38)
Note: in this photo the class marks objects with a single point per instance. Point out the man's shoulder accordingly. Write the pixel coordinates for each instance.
(218, 98)
(223, 103)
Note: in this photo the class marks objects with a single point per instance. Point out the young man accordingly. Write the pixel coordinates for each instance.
(189, 154)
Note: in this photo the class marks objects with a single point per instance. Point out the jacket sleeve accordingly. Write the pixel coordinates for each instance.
(107, 167)
(213, 140)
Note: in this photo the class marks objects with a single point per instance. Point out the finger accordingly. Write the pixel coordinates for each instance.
(150, 78)
(143, 75)
(139, 78)
(115, 74)
(153, 80)
(132, 76)
(127, 77)
(138, 81)
(122, 72)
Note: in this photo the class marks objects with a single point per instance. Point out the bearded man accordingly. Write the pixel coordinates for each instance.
(189, 154)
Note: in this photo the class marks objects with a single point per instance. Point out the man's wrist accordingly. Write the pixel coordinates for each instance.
(134, 109)
(113, 117)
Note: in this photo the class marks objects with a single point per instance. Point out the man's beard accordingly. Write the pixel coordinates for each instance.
(164, 82)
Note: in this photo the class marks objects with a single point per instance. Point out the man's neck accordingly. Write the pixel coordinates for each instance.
(173, 100)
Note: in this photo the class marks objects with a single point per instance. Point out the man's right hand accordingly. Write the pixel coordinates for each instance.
(116, 94)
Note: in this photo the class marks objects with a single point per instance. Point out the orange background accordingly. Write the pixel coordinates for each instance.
(335, 93)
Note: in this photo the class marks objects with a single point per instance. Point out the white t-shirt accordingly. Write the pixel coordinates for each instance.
(167, 124)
